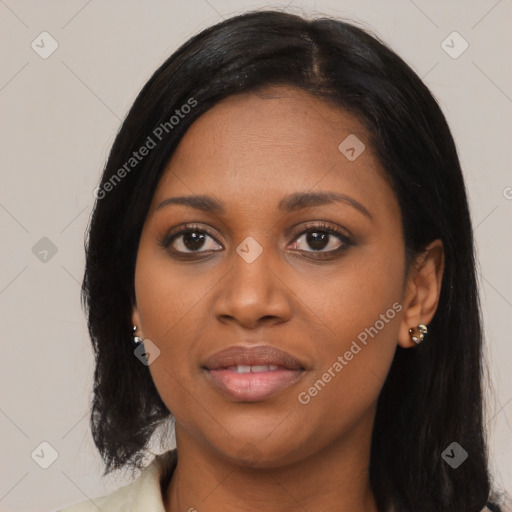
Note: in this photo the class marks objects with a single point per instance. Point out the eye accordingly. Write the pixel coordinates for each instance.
(322, 238)
(190, 239)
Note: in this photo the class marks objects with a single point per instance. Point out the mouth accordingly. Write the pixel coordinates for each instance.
(252, 374)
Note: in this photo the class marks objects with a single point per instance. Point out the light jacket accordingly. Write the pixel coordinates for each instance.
(144, 494)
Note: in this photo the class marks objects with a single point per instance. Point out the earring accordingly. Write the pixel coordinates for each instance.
(418, 333)
(136, 339)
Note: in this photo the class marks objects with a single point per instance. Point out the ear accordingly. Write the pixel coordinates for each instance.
(136, 321)
(422, 290)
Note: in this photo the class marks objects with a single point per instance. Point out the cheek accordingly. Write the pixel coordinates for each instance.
(171, 304)
(167, 293)
(357, 294)
(360, 308)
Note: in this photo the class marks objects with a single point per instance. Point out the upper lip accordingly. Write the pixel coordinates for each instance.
(259, 355)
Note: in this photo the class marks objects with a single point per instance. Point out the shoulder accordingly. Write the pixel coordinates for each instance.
(144, 493)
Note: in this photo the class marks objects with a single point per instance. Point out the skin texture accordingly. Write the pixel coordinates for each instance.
(278, 454)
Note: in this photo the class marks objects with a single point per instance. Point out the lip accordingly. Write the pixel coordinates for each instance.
(252, 356)
(252, 386)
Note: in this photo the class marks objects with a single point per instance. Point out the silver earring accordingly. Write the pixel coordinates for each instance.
(136, 339)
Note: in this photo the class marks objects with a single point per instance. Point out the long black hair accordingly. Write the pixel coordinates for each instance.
(432, 396)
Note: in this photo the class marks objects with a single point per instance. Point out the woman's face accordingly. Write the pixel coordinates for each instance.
(263, 269)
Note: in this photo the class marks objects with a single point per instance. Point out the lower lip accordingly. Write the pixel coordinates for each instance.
(252, 387)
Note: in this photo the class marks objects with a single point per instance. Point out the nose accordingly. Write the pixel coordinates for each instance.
(253, 292)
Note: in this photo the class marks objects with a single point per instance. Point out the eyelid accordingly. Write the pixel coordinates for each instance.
(342, 234)
(322, 225)
(167, 238)
(192, 226)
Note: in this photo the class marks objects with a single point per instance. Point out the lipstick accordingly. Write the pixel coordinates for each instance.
(252, 374)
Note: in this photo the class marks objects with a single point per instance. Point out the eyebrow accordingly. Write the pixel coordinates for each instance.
(290, 203)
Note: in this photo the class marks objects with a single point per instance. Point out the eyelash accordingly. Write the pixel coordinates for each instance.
(322, 227)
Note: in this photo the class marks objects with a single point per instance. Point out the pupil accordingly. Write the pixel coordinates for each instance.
(193, 240)
(317, 240)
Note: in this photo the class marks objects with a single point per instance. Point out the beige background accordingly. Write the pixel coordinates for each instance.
(59, 117)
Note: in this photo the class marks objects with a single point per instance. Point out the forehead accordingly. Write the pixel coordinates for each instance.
(269, 143)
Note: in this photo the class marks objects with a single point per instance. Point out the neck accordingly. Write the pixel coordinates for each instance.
(334, 478)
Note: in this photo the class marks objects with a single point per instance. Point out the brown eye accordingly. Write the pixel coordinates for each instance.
(321, 239)
(191, 240)
(318, 240)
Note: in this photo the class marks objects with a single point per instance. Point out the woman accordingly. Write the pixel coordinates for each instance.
(282, 229)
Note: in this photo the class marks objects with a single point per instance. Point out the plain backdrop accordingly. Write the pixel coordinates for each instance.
(59, 116)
